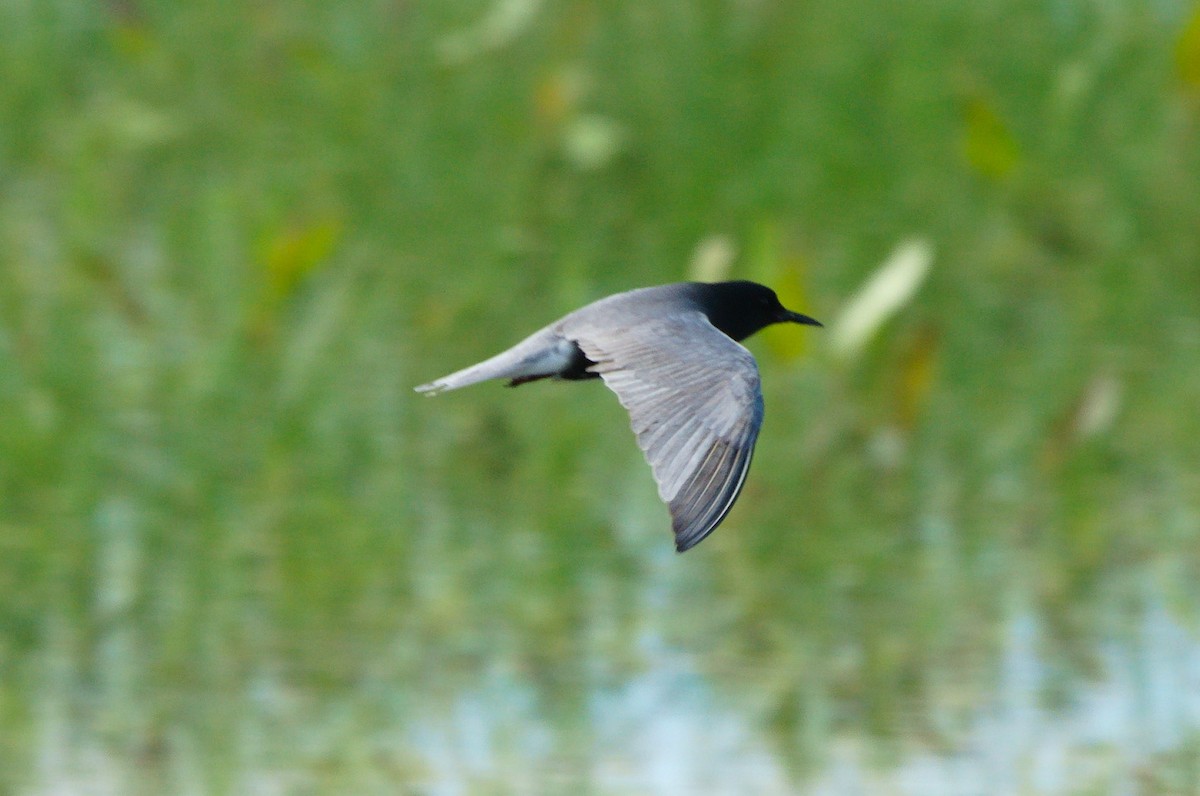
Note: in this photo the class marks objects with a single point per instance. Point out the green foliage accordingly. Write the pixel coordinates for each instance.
(233, 542)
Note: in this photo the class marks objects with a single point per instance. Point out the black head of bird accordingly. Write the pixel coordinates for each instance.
(739, 309)
(672, 355)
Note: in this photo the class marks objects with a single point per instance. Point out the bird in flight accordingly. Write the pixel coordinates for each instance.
(672, 354)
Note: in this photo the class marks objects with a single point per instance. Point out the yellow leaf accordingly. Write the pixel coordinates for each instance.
(916, 376)
(786, 341)
(786, 274)
(1187, 51)
(290, 255)
(132, 41)
(989, 146)
(128, 30)
(557, 95)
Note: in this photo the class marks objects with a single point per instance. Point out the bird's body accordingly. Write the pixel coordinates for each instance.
(672, 355)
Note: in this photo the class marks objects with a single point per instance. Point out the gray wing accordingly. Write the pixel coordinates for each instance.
(695, 403)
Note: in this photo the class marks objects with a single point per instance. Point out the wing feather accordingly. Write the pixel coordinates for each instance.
(695, 405)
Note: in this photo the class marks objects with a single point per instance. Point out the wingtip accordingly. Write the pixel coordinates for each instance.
(428, 390)
(687, 538)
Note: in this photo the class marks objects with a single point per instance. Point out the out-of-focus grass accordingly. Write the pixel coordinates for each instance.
(233, 237)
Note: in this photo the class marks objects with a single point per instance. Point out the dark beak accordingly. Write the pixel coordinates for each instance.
(794, 317)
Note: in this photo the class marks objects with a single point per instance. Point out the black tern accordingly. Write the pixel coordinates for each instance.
(672, 355)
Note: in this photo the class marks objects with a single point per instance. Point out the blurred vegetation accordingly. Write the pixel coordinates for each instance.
(234, 236)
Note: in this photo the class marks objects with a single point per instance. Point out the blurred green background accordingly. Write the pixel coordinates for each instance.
(239, 555)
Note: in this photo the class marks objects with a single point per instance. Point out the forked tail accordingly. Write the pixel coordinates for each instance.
(542, 354)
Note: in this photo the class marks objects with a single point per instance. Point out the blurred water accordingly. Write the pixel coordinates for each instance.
(667, 729)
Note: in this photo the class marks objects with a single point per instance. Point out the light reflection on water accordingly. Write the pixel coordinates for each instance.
(662, 731)
(1145, 703)
(667, 731)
